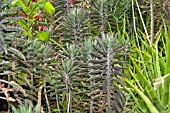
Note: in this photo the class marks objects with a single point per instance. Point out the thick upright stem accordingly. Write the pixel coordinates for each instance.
(108, 80)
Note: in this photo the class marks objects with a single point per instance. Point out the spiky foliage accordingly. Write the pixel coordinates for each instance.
(58, 17)
(105, 68)
(27, 62)
(75, 25)
(70, 52)
(62, 8)
(88, 77)
(26, 109)
(22, 60)
(7, 21)
(107, 11)
(68, 83)
(85, 68)
(8, 29)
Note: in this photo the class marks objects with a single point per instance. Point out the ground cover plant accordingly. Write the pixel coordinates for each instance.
(92, 56)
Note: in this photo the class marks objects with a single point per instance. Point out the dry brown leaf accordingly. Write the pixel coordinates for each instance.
(5, 91)
(18, 87)
(11, 99)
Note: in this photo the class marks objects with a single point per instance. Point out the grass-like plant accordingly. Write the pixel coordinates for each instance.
(26, 109)
(148, 83)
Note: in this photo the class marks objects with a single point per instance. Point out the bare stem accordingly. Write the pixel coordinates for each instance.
(45, 93)
(152, 22)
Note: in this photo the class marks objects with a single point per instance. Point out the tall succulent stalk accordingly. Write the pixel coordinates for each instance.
(104, 72)
(99, 59)
(106, 11)
(75, 25)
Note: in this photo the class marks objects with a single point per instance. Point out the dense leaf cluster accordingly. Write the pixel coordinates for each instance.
(82, 75)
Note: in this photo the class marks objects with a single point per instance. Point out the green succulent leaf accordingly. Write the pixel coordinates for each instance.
(17, 52)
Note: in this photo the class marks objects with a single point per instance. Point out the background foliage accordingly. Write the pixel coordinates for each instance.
(84, 56)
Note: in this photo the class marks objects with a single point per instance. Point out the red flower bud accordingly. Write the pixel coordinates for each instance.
(72, 0)
(42, 28)
(37, 17)
(24, 15)
(34, 1)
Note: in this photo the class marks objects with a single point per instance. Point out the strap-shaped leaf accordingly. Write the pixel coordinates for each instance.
(17, 53)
